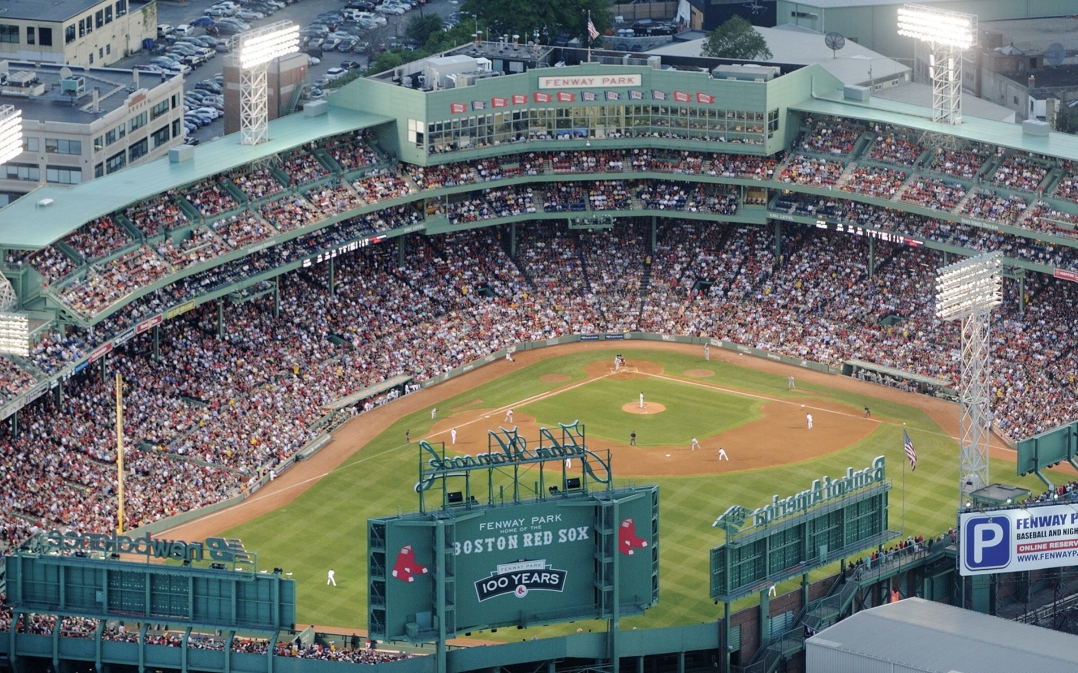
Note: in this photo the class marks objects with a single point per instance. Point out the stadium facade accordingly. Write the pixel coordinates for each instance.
(776, 147)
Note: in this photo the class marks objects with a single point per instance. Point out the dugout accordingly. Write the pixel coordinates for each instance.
(897, 378)
(919, 635)
(398, 385)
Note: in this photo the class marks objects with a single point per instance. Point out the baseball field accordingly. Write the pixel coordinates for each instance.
(314, 518)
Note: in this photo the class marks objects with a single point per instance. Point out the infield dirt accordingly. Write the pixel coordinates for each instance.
(835, 426)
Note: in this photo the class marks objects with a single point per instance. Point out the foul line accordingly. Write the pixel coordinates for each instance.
(258, 498)
(734, 391)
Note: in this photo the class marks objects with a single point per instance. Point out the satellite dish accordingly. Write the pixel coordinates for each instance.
(834, 42)
(65, 72)
(1055, 54)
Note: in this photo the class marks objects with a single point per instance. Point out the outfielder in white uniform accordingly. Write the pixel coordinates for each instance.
(453, 434)
(808, 417)
(508, 416)
(330, 579)
(434, 413)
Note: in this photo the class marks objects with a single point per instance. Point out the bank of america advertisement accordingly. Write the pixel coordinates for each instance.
(1018, 539)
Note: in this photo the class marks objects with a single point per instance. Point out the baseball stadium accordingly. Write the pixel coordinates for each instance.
(587, 361)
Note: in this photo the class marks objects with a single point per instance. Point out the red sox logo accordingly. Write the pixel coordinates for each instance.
(406, 567)
(628, 541)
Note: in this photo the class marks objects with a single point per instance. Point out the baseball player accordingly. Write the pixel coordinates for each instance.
(808, 417)
(722, 455)
(868, 413)
(790, 383)
(641, 400)
(407, 436)
(568, 463)
(508, 416)
(331, 578)
(707, 352)
(434, 413)
(695, 444)
(453, 432)
(632, 438)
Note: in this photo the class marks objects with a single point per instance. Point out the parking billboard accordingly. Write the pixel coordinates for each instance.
(1016, 539)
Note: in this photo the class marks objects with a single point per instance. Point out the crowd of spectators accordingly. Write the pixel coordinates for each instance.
(98, 238)
(158, 214)
(217, 409)
(302, 166)
(893, 146)
(1021, 171)
(209, 198)
(830, 135)
(352, 150)
(882, 183)
(964, 164)
(257, 183)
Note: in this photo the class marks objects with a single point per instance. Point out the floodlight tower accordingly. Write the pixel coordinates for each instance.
(968, 291)
(257, 48)
(947, 34)
(10, 133)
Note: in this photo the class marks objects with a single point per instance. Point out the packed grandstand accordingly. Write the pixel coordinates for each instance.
(205, 414)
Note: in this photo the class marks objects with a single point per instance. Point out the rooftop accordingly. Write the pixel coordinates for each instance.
(851, 64)
(1047, 77)
(51, 105)
(919, 117)
(71, 207)
(47, 10)
(831, 4)
(1034, 36)
(922, 635)
(921, 94)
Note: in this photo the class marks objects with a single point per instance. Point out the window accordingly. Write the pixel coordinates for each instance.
(108, 14)
(159, 109)
(9, 33)
(82, 28)
(804, 15)
(89, 24)
(44, 37)
(121, 7)
(160, 136)
(20, 172)
(99, 170)
(115, 134)
(138, 150)
(116, 162)
(57, 146)
(175, 100)
(138, 121)
(100, 52)
(99, 19)
(108, 48)
(91, 58)
(99, 143)
(30, 35)
(30, 144)
(63, 176)
(1015, 100)
(176, 128)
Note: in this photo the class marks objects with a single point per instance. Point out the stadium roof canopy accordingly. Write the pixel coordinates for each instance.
(919, 635)
(884, 111)
(26, 225)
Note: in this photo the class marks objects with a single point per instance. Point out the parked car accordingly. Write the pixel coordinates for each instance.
(164, 29)
(314, 60)
(210, 87)
(219, 12)
(223, 46)
(335, 73)
(185, 29)
(249, 15)
(347, 45)
(202, 22)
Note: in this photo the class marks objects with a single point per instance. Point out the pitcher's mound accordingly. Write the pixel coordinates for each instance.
(699, 373)
(649, 408)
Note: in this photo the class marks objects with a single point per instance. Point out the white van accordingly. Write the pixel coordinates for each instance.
(185, 29)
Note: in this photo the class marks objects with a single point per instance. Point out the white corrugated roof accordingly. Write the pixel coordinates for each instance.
(929, 636)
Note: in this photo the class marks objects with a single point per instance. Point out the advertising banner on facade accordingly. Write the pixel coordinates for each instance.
(1018, 539)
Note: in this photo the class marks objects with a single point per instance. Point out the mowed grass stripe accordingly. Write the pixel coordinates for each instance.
(326, 527)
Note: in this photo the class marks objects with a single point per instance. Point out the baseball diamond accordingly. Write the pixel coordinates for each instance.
(295, 340)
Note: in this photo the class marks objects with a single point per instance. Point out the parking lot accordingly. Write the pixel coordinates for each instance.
(300, 12)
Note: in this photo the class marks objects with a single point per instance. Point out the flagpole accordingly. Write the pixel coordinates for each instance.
(588, 31)
(903, 459)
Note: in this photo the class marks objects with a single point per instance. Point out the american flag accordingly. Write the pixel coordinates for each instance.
(911, 452)
(592, 33)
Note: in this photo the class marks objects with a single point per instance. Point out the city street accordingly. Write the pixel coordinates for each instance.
(302, 12)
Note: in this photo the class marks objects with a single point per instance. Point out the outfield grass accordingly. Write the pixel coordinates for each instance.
(327, 526)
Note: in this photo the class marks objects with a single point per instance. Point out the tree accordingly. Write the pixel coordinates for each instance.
(549, 17)
(420, 28)
(736, 39)
(1067, 120)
